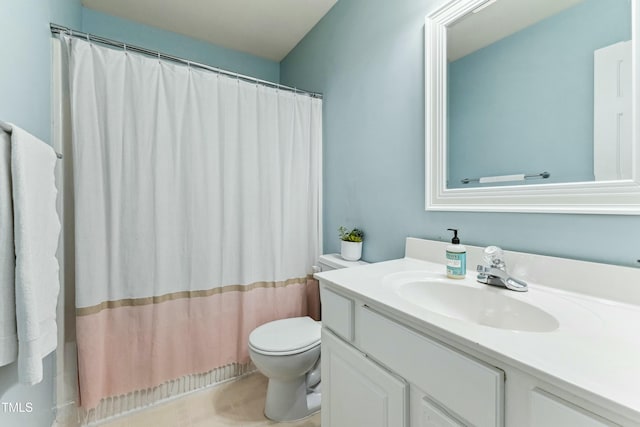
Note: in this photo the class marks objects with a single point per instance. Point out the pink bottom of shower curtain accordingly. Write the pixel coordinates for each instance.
(137, 347)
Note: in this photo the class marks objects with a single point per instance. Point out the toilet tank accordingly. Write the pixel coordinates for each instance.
(334, 261)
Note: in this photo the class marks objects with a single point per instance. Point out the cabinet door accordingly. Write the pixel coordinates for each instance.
(551, 411)
(356, 392)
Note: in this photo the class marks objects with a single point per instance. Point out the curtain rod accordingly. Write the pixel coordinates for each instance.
(59, 29)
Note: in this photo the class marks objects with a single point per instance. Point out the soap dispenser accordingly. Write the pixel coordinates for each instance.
(456, 258)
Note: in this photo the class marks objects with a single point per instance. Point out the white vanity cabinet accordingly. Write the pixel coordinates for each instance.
(377, 372)
(563, 354)
(465, 390)
(379, 368)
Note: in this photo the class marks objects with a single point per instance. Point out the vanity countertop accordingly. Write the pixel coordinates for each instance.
(594, 352)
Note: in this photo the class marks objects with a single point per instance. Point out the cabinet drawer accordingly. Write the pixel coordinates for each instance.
(471, 390)
(337, 313)
(549, 410)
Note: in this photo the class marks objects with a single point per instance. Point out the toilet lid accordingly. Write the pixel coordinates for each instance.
(286, 335)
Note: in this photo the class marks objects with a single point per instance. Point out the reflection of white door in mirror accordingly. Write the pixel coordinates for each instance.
(612, 112)
(617, 192)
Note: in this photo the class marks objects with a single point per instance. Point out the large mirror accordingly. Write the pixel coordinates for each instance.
(531, 106)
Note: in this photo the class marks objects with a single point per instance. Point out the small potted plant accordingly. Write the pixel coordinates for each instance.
(351, 245)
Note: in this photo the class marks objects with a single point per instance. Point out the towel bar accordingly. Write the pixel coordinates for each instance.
(543, 175)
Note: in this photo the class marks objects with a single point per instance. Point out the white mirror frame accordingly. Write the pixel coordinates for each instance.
(602, 197)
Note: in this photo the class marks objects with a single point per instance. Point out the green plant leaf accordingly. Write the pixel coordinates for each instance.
(355, 235)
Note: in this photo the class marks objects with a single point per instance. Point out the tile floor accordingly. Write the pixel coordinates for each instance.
(238, 403)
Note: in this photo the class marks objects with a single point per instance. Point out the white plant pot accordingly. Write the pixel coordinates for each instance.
(351, 251)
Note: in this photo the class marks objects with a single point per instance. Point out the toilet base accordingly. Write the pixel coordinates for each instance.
(289, 400)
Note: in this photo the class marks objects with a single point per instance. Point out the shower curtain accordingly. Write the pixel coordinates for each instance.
(197, 216)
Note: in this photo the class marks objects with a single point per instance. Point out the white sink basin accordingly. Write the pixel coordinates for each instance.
(487, 306)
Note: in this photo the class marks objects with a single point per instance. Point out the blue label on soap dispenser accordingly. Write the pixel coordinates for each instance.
(456, 264)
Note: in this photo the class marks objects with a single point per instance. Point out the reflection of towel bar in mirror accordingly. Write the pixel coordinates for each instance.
(505, 178)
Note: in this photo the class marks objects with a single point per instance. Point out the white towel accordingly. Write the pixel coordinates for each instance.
(8, 333)
(36, 232)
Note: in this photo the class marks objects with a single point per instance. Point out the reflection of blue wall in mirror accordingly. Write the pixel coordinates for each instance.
(525, 103)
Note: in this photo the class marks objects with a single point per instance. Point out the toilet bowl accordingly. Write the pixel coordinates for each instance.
(287, 352)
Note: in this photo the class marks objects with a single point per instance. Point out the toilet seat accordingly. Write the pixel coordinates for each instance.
(286, 336)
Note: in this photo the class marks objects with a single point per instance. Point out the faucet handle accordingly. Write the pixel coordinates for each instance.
(494, 257)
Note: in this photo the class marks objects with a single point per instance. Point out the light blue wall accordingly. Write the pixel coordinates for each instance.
(367, 57)
(25, 71)
(530, 95)
(153, 38)
(25, 81)
(66, 12)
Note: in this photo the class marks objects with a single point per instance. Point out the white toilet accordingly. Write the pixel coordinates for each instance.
(287, 351)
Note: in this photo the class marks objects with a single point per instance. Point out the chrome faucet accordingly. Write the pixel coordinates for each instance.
(493, 271)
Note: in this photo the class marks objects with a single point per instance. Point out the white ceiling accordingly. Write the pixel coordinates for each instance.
(265, 28)
(477, 30)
